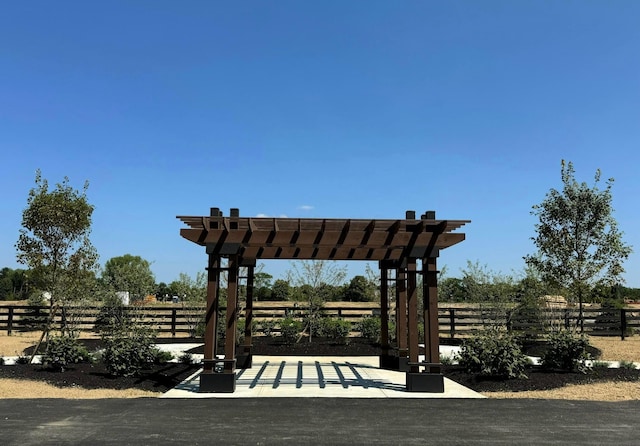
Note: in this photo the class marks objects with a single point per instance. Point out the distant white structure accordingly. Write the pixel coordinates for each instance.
(46, 295)
(123, 296)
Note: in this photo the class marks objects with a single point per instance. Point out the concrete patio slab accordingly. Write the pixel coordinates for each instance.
(317, 377)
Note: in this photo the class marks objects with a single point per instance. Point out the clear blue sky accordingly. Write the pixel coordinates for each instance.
(318, 109)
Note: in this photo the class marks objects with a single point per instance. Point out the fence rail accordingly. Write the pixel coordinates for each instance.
(453, 322)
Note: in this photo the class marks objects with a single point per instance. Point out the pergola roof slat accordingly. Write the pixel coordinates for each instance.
(307, 238)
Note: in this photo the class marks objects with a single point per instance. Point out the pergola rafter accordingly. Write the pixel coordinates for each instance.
(396, 244)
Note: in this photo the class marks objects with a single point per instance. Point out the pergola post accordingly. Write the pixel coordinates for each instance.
(209, 380)
(412, 315)
(211, 316)
(223, 377)
(245, 356)
(401, 317)
(232, 316)
(431, 379)
(431, 324)
(386, 360)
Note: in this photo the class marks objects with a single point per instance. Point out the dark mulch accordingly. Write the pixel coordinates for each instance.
(539, 379)
(162, 377)
(158, 378)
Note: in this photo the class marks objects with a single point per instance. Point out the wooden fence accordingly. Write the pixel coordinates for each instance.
(456, 322)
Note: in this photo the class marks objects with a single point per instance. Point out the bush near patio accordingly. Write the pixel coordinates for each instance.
(566, 351)
(493, 353)
(63, 351)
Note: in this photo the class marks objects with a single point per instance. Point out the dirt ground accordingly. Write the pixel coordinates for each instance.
(612, 349)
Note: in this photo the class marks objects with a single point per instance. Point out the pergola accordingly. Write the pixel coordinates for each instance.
(408, 247)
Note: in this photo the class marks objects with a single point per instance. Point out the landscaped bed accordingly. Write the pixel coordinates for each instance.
(162, 377)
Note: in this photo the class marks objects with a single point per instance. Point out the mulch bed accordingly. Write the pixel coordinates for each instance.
(162, 377)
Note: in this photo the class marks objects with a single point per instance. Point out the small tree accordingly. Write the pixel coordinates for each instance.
(494, 292)
(578, 241)
(192, 292)
(316, 276)
(54, 243)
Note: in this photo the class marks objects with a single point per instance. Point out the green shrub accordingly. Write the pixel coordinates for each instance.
(240, 325)
(336, 329)
(186, 358)
(494, 353)
(566, 351)
(161, 356)
(64, 350)
(198, 331)
(627, 365)
(127, 352)
(369, 328)
(267, 327)
(22, 360)
(315, 323)
(600, 365)
(290, 329)
(446, 360)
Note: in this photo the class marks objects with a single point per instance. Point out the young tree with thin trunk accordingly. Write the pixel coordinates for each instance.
(579, 244)
(54, 243)
(315, 276)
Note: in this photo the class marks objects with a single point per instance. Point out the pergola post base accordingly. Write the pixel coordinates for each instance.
(217, 383)
(244, 361)
(425, 382)
(394, 362)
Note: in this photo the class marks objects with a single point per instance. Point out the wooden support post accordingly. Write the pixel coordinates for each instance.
(384, 311)
(245, 358)
(412, 310)
(401, 312)
(431, 380)
(431, 324)
(231, 318)
(211, 317)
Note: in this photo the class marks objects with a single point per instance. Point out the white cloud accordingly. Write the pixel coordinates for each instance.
(305, 207)
(269, 216)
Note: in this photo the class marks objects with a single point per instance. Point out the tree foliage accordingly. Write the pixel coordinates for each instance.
(188, 289)
(317, 277)
(281, 290)
(359, 290)
(577, 238)
(129, 273)
(14, 284)
(54, 242)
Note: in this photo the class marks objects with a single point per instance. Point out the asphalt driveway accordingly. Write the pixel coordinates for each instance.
(263, 421)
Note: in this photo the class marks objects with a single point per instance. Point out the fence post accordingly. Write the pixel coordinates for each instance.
(566, 319)
(173, 322)
(10, 321)
(452, 323)
(623, 323)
